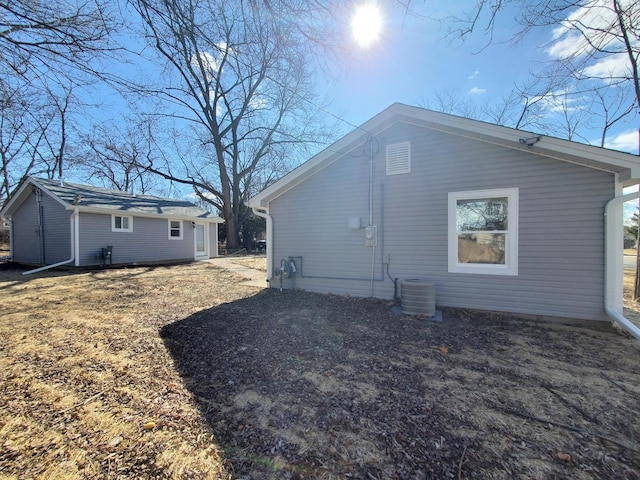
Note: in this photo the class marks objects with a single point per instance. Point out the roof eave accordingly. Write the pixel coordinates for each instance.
(626, 166)
(111, 211)
(20, 196)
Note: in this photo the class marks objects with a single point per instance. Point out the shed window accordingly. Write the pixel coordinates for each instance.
(399, 158)
(175, 229)
(121, 223)
(483, 232)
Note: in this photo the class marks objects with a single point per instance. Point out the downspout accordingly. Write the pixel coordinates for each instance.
(11, 241)
(613, 263)
(75, 242)
(72, 238)
(264, 213)
(373, 247)
(38, 194)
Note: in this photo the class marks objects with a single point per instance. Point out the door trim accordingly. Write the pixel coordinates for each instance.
(204, 254)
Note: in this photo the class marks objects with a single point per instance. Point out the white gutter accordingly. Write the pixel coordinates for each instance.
(10, 220)
(264, 213)
(72, 238)
(75, 242)
(613, 262)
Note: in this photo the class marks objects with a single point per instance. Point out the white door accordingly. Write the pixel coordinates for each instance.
(201, 241)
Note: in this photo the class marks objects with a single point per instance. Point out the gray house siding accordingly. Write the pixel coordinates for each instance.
(148, 242)
(35, 246)
(213, 240)
(561, 227)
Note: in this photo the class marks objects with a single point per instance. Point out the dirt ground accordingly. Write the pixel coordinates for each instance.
(183, 372)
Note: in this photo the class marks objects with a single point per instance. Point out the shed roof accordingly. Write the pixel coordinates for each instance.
(102, 200)
(625, 165)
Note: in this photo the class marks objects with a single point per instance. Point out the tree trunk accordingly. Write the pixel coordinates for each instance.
(231, 224)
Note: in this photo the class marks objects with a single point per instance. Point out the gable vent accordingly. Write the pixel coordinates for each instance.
(399, 158)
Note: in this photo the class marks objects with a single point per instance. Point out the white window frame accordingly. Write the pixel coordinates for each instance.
(510, 266)
(180, 228)
(129, 221)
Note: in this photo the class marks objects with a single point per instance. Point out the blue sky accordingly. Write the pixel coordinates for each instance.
(412, 62)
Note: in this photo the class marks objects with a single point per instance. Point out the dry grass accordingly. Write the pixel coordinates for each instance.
(257, 262)
(4, 249)
(89, 389)
(631, 307)
(83, 372)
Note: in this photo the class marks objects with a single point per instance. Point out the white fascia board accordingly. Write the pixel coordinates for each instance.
(608, 160)
(52, 195)
(19, 196)
(326, 157)
(321, 161)
(542, 148)
(131, 213)
(624, 164)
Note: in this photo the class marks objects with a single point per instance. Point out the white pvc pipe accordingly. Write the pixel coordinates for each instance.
(264, 213)
(613, 284)
(76, 240)
(72, 239)
(10, 220)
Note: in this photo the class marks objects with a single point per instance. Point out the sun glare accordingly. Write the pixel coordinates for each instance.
(366, 25)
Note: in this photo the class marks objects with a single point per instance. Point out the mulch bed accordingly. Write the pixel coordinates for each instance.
(300, 385)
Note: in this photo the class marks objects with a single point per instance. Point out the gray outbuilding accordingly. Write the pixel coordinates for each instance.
(56, 223)
(498, 219)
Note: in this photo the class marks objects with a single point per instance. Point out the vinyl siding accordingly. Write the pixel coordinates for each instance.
(148, 242)
(28, 247)
(213, 240)
(561, 226)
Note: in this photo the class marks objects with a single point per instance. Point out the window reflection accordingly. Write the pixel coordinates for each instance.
(482, 248)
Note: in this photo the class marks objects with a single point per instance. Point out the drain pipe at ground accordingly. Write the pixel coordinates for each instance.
(613, 263)
(11, 241)
(264, 213)
(72, 220)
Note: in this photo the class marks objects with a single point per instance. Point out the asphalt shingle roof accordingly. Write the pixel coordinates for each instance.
(102, 198)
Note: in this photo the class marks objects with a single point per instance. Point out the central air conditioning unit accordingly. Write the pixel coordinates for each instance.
(418, 297)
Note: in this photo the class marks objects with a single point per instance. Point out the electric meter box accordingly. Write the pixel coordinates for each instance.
(370, 236)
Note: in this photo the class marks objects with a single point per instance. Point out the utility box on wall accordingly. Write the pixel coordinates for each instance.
(370, 236)
(353, 223)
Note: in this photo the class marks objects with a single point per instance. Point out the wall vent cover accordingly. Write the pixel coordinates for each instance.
(399, 158)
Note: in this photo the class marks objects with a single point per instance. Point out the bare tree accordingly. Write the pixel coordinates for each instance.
(525, 107)
(239, 81)
(595, 45)
(33, 134)
(17, 138)
(114, 156)
(38, 39)
(612, 107)
(47, 49)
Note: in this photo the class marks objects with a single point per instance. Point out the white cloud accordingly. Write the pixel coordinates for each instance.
(209, 64)
(258, 102)
(595, 19)
(626, 141)
(616, 66)
(564, 101)
(477, 91)
(211, 61)
(567, 45)
(474, 75)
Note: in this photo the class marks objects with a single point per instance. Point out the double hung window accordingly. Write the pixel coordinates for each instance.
(175, 229)
(121, 223)
(483, 232)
